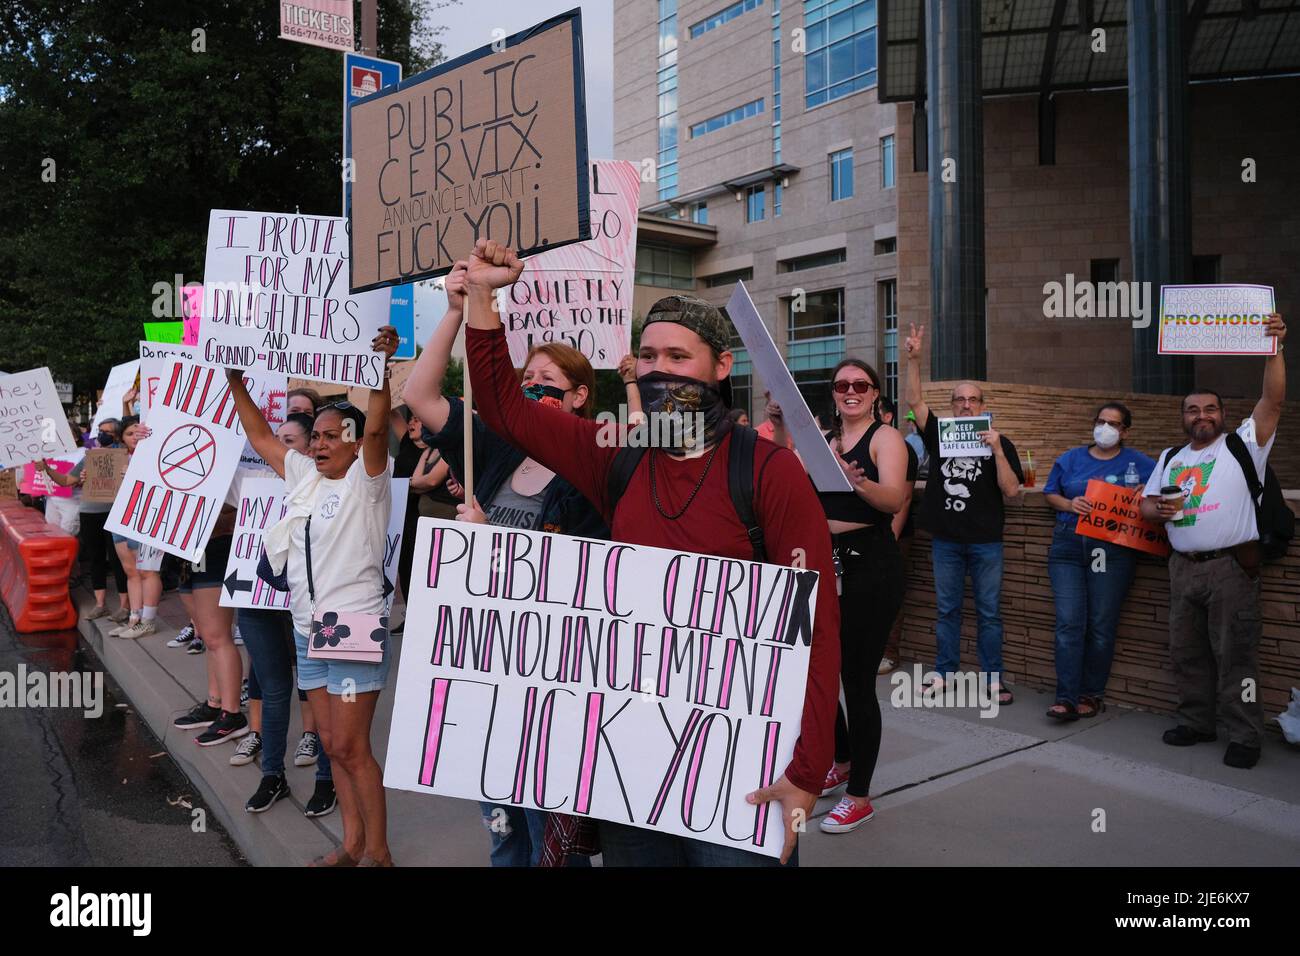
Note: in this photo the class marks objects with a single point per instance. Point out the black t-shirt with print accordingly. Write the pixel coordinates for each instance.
(962, 499)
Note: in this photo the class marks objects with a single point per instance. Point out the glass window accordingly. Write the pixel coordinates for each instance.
(886, 161)
(1103, 270)
(777, 192)
(815, 261)
(822, 315)
(1205, 270)
(752, 108)
(700, 213)
(722, 16)
(884, 247)
(841, 174)
(755, 204)
(664, 266)
(889, 336)
(729, 278)
(840, 55)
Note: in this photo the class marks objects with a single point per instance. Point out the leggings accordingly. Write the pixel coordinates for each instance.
(873, 585)
(97, 547)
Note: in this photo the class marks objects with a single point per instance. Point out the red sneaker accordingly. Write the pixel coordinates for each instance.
(834, 780)
(847, 816)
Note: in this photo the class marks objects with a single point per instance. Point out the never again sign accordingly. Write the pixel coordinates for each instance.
(490, 145)
(625, 683)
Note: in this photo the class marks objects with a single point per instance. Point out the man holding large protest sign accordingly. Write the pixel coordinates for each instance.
(1208, 494)
(680, 501)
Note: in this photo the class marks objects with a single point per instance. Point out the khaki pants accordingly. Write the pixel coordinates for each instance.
(1214, 632)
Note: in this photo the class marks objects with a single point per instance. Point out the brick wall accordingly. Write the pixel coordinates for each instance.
(1048, 421)
(1140, 676)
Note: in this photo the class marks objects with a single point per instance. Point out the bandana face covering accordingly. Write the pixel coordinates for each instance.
(692, 405)
(545, 394)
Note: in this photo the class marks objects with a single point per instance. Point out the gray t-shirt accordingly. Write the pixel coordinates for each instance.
(89, 507)
(510, 509)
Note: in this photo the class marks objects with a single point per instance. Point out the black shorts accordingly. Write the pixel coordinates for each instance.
(211, 571)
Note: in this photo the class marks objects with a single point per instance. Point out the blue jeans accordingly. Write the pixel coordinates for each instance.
(518, 835)
(266, 638)
(623, 845)
(1088, 603)
(952, 562)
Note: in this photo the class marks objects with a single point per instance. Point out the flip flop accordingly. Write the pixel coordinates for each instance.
(334, 858)
(1005, 697)
(1063, 710)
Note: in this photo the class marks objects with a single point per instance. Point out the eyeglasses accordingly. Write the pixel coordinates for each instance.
(972, 400)
(338, 406)
(1103, 421)
(861, 386)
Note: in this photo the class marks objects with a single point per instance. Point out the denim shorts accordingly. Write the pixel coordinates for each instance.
(131, 543)
(316, 672)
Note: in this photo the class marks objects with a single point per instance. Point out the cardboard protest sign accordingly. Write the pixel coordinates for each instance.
(1116, 517)
(32, 423)
(601, 679)
(191, 312)
(959, 437)
(275, 298)
(360, 397)
(178, 477)
(581, 295)
(492, 144)
(120, 380)
(817, 456)
(261, 505)
(362, 76)
(326, 23)
(166, 333)
(1216, 320)
(103, 473)
(8, 483)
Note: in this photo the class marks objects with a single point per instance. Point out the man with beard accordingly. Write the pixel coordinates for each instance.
(1214, 616)
(678, 498)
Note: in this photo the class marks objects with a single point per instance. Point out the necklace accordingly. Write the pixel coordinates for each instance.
(654, 489)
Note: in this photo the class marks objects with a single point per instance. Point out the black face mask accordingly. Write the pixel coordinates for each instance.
(664, 394)
(104, 439)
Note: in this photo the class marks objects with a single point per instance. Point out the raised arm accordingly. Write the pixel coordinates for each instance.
(423, 393)
(256, 429)
(1268, 410)
(913, 346)
(374, 443)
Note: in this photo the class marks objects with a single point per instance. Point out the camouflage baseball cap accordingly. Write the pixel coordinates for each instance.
(695, 314)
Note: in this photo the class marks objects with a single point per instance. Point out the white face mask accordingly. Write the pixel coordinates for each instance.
(1106, 436)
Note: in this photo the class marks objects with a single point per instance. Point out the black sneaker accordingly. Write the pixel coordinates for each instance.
(271, 789)
(226, 727)
(201, 716)
(195, 646)
(1184, 736)
(323, 801)
(1241, 756)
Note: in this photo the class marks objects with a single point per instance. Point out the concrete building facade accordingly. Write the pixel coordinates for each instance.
(773, 163)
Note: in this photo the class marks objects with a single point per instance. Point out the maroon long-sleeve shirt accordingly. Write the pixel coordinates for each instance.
(788, 511)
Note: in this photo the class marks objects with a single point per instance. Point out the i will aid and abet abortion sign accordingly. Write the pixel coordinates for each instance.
(639, 685)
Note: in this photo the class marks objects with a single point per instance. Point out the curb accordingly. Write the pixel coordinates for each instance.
(281, 836)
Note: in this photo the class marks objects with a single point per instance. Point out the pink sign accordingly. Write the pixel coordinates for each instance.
(37, 485)
(326, 23)
(191, 311)
(581, 294)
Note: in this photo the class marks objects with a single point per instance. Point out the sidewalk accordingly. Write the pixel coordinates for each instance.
(951, 787)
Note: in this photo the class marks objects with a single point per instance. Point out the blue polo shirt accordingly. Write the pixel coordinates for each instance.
(1073, 470)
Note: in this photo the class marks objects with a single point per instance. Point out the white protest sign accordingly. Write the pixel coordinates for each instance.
(817, 456)
(959, 437)
(156, 361)
(261, 505)
(613, 681)
(32, 423)
(275, 298)
(581, 294)
(1216, 320)
(178, 477)
(120, 380)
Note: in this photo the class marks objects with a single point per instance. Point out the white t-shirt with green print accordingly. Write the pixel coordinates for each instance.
(1217, 512)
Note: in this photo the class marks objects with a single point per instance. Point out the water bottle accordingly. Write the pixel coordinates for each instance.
(1131, 479)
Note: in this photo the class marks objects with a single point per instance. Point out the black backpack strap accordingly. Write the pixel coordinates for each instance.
(620, 473)
(1238, 448)
(740, 481)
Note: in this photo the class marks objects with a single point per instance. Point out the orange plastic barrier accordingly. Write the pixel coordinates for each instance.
(35, 561)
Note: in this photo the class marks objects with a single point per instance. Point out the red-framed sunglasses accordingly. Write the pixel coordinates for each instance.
(861, 386)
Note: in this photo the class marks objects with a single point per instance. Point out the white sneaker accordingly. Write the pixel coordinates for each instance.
(183, 638)
(846, 817)
(138, 630)
(122, 628)
(248, 749)
(886, 665)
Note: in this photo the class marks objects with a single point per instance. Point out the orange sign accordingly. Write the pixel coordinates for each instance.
(1117, 518)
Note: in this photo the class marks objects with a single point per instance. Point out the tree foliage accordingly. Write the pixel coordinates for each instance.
(147, 134)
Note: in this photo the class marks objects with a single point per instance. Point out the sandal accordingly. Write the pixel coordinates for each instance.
(371, 861)
(334, 858)
(1091, 706)
(1005, 697)
(1063, 710)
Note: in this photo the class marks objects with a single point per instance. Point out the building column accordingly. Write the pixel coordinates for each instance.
(1159, 179)
(956, 157)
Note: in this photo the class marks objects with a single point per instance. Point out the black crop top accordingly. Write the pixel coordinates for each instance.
(848, 505)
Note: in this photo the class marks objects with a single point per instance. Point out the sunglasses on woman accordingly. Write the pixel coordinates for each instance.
(861, 386)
